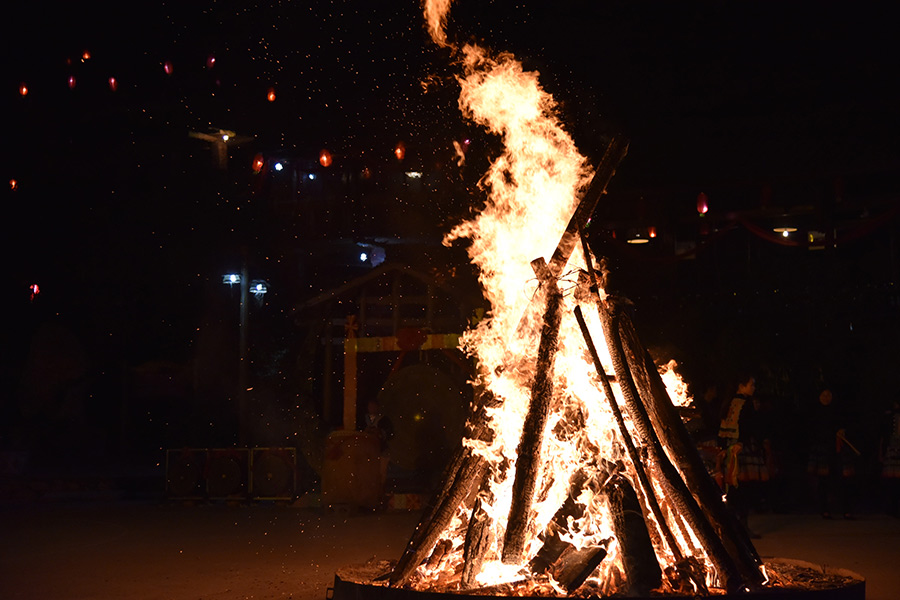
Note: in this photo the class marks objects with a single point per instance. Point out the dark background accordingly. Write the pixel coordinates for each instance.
(781, 114)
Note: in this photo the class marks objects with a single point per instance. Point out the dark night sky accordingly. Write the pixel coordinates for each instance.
(120, 218)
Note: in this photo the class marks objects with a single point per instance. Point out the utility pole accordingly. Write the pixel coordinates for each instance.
(244, 358)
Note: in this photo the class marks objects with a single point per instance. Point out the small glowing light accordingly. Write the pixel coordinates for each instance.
(278, 166)
(651, 231)
(210, 61)
(86, 55)
(363, 257)
(71, 82)
(35, 290)
(414, 174)
(13, 185)
(785, 233)
(231, 278)
(259, 287)
(23, 89)
(702, 203)
(325, 158)
(258, 163)
(225, 137)
(270, 95)
(312, 175)
(167, 67)
(366, 173)
(113, 84)
(400, 150)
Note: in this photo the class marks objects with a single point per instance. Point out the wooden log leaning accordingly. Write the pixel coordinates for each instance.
(529, 449)
(642, 572)
(667, 422)
(630, 448)
(609, 162)
(615, 152)
(479, 537)
(462, 477)
(669, 478)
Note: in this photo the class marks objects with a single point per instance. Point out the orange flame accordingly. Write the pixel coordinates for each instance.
(532, 190)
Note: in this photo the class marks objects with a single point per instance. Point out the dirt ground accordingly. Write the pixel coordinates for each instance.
(145, 550)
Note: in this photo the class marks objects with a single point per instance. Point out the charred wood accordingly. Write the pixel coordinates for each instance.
(529, 450)
(642, 572)
(573, 568)
(636, 460)
(667, 422)
(571, 509)
(615, 152)
(440, 551)
(479, 537)
(670, 480)
(465, 483)
(457, 485)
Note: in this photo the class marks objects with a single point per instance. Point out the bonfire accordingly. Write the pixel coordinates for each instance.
(576, 475)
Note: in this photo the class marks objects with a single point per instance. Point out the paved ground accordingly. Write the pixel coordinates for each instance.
(142, 550)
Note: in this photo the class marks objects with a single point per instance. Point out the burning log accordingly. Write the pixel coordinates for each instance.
(529, 450)
(462, 478)
(440, 551)
(615, 152)
(670, 480)
(575, 566)
(554, 546)
(642, 572)
(479, 538)
(667, 422)
(636, 461)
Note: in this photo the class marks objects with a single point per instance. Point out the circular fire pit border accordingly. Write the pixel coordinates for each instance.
(855, 590)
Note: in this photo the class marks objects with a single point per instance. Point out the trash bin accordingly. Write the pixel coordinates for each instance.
(351, 472)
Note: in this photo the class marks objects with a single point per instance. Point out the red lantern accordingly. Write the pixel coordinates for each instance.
(23, 89)
(210, 61)
(167, 67)
(113, 84)
(400, 150)
(13, 185)
(651, 232)
(270, 95)
(71, 82)
(702, 203)
(85, 56)
(325, 158)
(258, 162)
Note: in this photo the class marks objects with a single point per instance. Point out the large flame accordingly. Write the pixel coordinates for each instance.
(532, 191)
